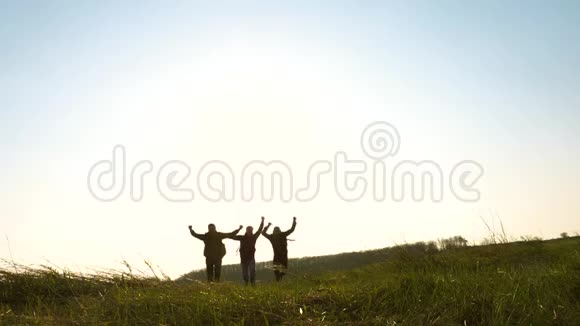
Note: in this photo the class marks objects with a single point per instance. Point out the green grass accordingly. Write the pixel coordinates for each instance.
(523, 283)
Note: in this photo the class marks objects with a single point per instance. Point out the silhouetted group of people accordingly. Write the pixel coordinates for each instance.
(215, 250)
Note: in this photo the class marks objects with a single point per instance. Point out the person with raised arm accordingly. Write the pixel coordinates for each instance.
(279, 241)
(214, 249)
(247, 251)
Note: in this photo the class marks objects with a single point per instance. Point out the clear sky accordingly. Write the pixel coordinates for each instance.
(492, 81)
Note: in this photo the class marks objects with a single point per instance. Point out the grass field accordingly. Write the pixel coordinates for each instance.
(520, 283)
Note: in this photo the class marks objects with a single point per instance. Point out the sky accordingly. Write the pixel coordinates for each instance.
(493, 82)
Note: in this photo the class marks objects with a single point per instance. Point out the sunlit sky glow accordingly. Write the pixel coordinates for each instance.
(491, 81)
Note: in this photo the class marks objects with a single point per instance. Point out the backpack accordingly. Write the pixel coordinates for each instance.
(222, 250)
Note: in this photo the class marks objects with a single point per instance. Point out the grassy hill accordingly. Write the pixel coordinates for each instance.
(301, 267)
(534, 282)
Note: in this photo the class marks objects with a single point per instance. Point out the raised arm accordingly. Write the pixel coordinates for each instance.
(196, 235)
(232, 234)
(257, 234)
(265, 232)
(292, 228)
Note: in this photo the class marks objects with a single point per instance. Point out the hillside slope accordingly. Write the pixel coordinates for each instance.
(300, 266)
(535, 282)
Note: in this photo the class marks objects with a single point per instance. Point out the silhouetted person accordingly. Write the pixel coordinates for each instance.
(247, 250)
(214, 250)
(279, 242)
